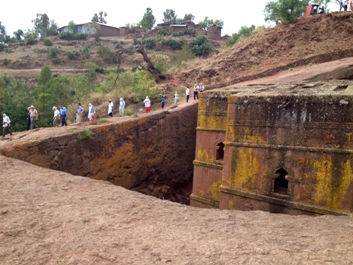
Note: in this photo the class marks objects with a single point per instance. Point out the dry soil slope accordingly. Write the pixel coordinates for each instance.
(311, 40)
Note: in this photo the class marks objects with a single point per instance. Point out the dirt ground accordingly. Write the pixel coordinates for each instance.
(49, 217)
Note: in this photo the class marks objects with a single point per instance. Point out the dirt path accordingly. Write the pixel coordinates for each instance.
(339, 69)
(49, 217)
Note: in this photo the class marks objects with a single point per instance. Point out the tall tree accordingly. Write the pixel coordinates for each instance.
(284, 11)
(169, 16)
(148, 20)
(71, 27)
(41, 24)
(2, 33)
(207, 22)
(100, 18)
(53, 29)
(189, 17)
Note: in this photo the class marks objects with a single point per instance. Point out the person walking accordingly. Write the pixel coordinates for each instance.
(147, 102)
(110, 108)
(121, 107)
(340, 2)
(202, 88)
(196, 91)
(56, 117)
(63, 115)
(175, 98)
(33, 115)
(79, 113)
(163, 99)
(345, 5)
(6, 123)
(351, 5)
(187, 92)
(28, 119)
(90, 111)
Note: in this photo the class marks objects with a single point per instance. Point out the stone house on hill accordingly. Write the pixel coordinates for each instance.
(105, 30)
(214, 32)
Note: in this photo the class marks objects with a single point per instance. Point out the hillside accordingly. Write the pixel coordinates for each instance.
(312, 40)
(26, 61)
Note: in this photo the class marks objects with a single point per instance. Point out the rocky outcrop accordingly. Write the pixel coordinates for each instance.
(152, 154)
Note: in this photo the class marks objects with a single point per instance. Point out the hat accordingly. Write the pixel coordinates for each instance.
(31, 106)
(121, 98)
(3, 114)
(89, 104)
(110, 100)
(54, 108)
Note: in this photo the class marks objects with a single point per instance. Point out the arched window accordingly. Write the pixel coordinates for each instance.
(280, 183)
(220, 151)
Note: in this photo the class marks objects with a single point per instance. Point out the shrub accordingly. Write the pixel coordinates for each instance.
(103, 120)
(72, 36)
(30, 39)
(86, 52)
(136, 41)
(150, 43)
(53, 52)
(164, 32)
(105, 53)
(85, 134)
(200, 45)
(2, 47)
(131, 50)
(5, 61)
(72, 54)
(129, 110)
(56, 60)
(8, 50)
(174, 44)
(48, 43)
(191, 32)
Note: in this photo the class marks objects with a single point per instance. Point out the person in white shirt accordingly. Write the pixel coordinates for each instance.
(147, 102)
(110, 108)
(56, 117)
(175, 98)
(90, 111)
(187, 92)
(196, 91)
(202, 88)
(121, 107)
(6, 123)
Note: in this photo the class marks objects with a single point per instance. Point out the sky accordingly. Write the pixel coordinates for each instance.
(18, 14)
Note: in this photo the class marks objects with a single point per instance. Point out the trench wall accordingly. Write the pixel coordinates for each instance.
(153, 154)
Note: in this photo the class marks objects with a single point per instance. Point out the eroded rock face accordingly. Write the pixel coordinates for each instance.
(152, 154)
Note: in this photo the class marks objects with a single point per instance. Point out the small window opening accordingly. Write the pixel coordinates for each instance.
(220, 151)
(281, 184)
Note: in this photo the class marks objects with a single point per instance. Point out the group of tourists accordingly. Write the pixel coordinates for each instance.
(344, 4)
(59, 117)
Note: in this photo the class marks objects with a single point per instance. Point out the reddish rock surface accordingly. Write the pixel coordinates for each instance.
(50, 217)
(150, 153)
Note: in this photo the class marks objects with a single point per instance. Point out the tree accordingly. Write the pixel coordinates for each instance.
(284, 11)
(18, 34)
(243, 31)
(99, 18)
(53, 28)
(3, 35)
(148, 20)
(71, 27)
(206, 23)
(189, 17)
(169, 16)
(41, 24)
(45, 76)
(200, 45)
